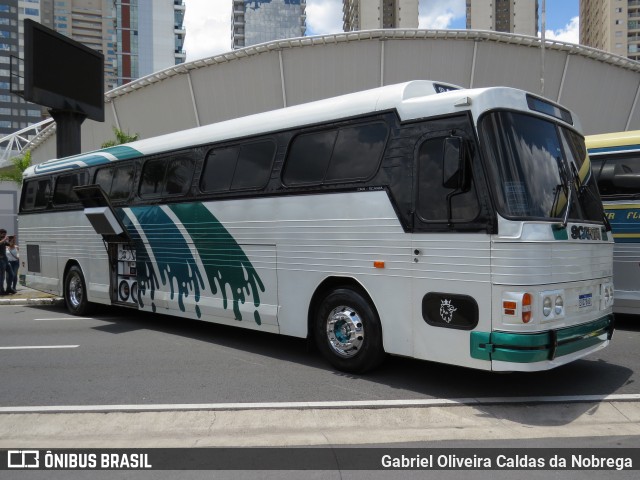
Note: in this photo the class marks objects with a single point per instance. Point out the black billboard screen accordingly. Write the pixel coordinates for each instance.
(61, 73)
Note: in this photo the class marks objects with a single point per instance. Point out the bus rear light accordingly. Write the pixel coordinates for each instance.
(509, 307)
(517, 308)
(526, 308)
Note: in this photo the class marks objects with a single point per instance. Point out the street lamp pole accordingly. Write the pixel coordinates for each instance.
(542, 45)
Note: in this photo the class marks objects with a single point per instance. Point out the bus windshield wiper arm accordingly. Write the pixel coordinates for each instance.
(565, 219)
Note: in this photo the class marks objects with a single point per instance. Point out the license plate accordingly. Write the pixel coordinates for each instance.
(584, 300)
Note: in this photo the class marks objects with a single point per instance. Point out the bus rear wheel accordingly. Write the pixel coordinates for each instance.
(347, 331)
(75, 292)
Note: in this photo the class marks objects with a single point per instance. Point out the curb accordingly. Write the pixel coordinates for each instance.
(57, 301)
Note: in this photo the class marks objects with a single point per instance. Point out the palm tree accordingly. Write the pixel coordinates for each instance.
(121, 138)
(20, 164)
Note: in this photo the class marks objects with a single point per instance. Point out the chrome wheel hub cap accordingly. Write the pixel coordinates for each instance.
(75, 291)
(345, 331)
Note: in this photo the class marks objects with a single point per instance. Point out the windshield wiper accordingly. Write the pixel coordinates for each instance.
(567, 189)
(565, 219)
(582, 188)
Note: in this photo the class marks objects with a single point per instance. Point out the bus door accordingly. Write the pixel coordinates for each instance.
(451, 261)
(121, 251)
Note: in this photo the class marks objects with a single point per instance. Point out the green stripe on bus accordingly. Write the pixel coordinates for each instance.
(122, 152)
(538, 347)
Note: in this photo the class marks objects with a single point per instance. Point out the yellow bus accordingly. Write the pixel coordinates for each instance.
(615, 158)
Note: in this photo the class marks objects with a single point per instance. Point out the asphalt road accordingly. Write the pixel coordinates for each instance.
(123, 379)
(121, 357)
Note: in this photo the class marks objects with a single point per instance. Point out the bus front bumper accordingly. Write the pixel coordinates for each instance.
(541, 351)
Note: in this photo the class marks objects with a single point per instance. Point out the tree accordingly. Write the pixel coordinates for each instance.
(20, 164)
(121, 138)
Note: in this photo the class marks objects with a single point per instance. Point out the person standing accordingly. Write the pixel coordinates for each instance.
(4, 261)
(13, 256)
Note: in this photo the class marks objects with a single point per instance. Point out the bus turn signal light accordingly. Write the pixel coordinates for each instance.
(526, 308)
(378, 263)
(509, 307)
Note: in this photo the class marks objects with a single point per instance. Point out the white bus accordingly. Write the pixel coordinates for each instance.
(616, 165)
(418, 219)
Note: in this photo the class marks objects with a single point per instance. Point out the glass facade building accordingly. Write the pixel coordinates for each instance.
(137, 38)
(15, 113)
(259, 21)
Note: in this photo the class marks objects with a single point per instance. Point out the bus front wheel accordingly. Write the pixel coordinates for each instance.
(348, 331)
(75, 292)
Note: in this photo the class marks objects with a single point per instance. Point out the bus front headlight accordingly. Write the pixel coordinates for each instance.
(552, 304)
(559, 307)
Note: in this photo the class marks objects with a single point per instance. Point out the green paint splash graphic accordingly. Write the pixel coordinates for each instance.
(226, 265)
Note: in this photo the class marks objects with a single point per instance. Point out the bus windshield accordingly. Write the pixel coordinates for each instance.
(538, 168)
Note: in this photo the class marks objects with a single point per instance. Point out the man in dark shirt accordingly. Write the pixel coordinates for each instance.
(4, 263)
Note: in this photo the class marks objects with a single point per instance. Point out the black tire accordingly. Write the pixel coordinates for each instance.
(75, 292)
(347, 331)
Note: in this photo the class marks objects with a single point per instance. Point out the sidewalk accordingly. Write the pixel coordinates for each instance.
(28, 296)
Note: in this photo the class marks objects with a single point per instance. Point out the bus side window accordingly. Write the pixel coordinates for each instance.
(117, 182)
(254, 165)
(63, 193)
(152, 177)
(122, 183)
(179, 176)
(164, 176)
(432, 194)
(104, 178)
(240, 167)
(347, 154)
(36, 194)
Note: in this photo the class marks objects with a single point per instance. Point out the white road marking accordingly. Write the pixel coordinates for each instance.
(34, 347)
(61, 318)
(324, 405)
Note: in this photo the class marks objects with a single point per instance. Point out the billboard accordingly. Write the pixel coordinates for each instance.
(61, 73)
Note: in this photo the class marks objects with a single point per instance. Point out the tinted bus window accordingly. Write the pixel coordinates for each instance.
(218, 170)
(63, 193)
(166, 177)
(240, 167)
(254, 165)
(117, 182)
(309, 158)
(36, 194)
(357, 152)
(152, 177)
(433, 195)
(179, 175)
(345, 154)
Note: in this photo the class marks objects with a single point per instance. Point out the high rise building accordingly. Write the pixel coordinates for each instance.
(514, 16)
(137, 38)
(611, 25)
(375, 14)
(90, 22)
(149, 37)
(15, 113)
(259, 21)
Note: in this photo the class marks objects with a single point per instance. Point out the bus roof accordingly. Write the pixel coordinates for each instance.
(408, 99)
(613, 142)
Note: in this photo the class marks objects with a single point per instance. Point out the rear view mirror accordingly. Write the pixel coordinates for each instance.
(456, 166)
(624, 177)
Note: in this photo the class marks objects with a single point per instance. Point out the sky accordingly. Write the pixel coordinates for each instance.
(208, 22)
